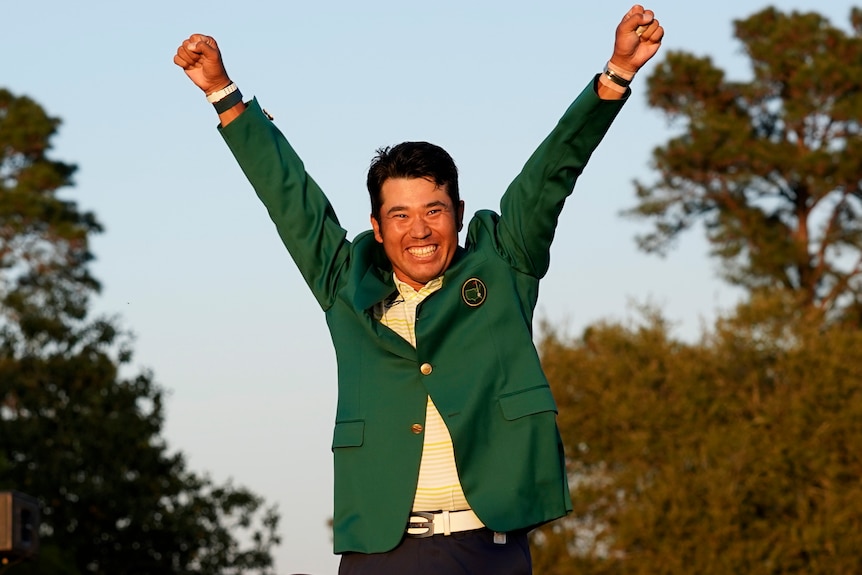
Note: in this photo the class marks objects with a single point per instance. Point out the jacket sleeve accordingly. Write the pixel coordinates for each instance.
(531, 206)
(302, 214)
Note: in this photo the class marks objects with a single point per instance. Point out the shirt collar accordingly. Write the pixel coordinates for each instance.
(406, 290)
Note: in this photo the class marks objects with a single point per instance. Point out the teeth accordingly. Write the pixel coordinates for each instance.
(423, 251)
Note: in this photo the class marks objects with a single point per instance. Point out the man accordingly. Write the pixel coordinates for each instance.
(445, 442)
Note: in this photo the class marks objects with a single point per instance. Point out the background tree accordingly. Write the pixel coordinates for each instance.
(74, 431)
(738, 454)
(44, 250)
(772, 165)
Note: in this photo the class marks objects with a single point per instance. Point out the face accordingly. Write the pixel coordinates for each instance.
(418, 228)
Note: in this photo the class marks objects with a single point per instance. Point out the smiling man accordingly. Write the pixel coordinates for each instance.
(445, 442)
(414, 215)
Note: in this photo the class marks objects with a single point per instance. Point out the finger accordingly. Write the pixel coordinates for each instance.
(636, 9)
(183, 62)
(632, 18)
(648, 32)
(642, 20)
(200, 42)
(654, 33)
(208, 48)
(657, 35)
(187, 56)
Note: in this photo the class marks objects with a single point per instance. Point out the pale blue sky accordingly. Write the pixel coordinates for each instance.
(190, 260)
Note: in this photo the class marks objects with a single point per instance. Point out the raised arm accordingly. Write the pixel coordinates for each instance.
(532, 204)
(200, 58)
(302, 214)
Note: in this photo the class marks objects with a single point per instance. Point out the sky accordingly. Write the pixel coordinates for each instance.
(190, 262)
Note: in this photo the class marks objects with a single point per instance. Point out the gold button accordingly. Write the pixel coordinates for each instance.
(417, 428)
(426, 368)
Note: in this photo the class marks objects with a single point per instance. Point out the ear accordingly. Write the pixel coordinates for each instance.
(375, 225)
(459, 215)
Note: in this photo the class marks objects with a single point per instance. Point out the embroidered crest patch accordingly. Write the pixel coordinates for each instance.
(473, 292)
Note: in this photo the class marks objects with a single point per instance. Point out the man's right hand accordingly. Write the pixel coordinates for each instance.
(200, 58)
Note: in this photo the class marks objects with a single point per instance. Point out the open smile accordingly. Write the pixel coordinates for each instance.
(422, 251)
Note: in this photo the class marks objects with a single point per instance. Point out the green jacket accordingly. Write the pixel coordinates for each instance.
(476, 336)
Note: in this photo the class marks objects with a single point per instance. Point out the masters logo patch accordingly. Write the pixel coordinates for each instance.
(473, 292)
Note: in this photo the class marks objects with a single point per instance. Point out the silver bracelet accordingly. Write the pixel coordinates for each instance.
(616, 78)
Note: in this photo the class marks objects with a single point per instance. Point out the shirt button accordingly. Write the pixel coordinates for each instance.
(426, 369)
(416, 428)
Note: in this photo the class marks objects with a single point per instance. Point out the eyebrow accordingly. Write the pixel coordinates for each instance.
(434, 204)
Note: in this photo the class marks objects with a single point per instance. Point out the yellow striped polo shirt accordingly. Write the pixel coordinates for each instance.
(439, 488)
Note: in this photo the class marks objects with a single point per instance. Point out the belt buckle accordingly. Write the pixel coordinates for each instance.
(427, 524)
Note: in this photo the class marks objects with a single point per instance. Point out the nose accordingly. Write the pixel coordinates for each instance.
(419, 228)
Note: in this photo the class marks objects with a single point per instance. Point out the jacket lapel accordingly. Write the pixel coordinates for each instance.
(375, 286)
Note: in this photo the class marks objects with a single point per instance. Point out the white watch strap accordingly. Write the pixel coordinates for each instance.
(219, 94)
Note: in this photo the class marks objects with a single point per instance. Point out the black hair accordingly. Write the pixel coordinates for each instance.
(412, 160)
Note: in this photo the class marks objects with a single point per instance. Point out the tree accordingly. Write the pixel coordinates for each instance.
(44, 250)
(74, 431)
(737, 454)
(771, 165)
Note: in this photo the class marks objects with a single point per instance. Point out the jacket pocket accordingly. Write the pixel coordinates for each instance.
(527, 402)
(348, 434)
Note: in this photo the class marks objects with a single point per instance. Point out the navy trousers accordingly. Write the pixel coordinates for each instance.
(465, 553)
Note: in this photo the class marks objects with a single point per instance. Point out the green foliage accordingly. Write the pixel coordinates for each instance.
(44, 247)
(738, 454)
(75, 431)
(769, 165)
